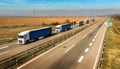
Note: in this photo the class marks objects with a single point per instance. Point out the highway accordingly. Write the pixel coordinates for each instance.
(78, 52)
(11, 49)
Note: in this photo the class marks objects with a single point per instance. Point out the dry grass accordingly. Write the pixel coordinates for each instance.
(112, 53)
(37, 20)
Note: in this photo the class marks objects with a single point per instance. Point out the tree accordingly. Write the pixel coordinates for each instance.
(67, 21)
(44, 24)
(55, 23)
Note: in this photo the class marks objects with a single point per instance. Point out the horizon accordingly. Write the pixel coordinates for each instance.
(42, 13)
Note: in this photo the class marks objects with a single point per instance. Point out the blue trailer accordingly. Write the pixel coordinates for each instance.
(81, 23)
(26, 36)
(63, 27)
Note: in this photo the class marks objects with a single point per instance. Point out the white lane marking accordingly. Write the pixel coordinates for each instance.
(84, 36)
(97, 57)
(80, 59)
(4, 52)
(90, 44)
(95, 37)
(96, 34)
(4, 47)
(93, 40)
(86, 50)
(70, 48)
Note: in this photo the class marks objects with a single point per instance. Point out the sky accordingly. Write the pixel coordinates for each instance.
(58, 4)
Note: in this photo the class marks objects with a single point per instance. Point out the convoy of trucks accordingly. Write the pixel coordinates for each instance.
(26, 36)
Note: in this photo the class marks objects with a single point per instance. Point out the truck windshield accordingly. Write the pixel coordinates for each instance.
(57, 28)
(19, 36)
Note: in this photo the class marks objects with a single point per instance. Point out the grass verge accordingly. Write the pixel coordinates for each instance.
(112, 51)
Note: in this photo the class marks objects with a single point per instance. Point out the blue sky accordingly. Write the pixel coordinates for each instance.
(58, 4)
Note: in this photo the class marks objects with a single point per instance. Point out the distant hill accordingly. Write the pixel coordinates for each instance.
(59, 12)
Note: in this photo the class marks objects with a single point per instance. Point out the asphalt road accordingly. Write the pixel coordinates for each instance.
(11, 49)
(78, 52)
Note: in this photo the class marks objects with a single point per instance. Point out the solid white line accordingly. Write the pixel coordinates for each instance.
(80, 59)
(93, 40)
(70, 48)
(97, 57)
(4, 52)
(4, 47)
(90, 44)
(84, 36)
(86, 50)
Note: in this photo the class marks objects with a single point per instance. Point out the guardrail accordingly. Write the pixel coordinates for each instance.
(24, 56)
(101, 59)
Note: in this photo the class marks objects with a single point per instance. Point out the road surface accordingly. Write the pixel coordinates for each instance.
(11, 49)
(79, 52)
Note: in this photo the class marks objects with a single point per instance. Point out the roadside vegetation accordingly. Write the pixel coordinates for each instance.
(112, 50)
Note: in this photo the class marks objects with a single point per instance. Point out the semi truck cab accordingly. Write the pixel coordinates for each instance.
(58, 28)
(23, 37)
(77, 23)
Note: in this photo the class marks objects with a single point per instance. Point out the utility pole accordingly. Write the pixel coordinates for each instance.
(34, 12)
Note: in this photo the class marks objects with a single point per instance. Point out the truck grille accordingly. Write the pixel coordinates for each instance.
(20, 41)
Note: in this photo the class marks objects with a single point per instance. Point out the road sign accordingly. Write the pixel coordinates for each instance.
(110, 24)
(109, 18)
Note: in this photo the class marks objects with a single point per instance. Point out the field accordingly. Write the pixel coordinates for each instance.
(36, 20)
(11, 26)
(112, 52)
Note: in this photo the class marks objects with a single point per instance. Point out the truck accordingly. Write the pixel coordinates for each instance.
(63, 27)
(86, 21)
(26, 36)
(93, 20)
(79, 23)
